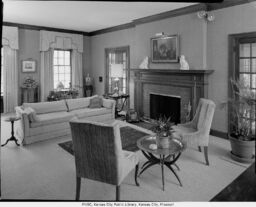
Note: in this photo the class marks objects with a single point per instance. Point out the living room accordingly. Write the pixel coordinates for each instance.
(203, 32)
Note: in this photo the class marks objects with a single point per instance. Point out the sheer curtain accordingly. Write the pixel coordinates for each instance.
(65, 41)
(46, 76)
(10, 79)
(10, 68)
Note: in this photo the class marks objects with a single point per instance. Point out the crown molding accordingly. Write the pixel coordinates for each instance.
(34, 27)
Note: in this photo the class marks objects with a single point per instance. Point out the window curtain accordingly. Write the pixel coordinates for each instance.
(46, 76)
(10, 70)
(77, 71)
(65, 41)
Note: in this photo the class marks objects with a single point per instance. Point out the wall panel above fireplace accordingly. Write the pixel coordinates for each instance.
(190, 85)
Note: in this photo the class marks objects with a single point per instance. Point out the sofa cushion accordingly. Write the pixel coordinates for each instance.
(95, 102)
(51, 118)
(88, 112)
(78, 103)
(47, 107)
(31, 114)
(107, 103)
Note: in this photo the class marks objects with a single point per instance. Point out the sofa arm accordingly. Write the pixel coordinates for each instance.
(23, 125)
(109, 103)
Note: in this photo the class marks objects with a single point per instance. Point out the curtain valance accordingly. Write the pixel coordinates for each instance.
(59, 40)
(10, 37)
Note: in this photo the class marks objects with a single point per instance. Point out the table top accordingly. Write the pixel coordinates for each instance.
(118, 96)
(175, 146)
(12, 118)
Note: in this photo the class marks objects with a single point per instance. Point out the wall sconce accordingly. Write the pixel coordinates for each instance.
(206, 15)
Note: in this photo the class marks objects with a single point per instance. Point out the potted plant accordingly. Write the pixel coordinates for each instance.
(163, 129)
(242, 121)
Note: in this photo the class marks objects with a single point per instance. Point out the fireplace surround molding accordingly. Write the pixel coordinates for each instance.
(189, 85)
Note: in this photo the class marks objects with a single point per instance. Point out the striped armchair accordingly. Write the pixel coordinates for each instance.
(99, 155)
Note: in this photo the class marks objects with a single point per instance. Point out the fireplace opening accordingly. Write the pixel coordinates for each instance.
(165, 106)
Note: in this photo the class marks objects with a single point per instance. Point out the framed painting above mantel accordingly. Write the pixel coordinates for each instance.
(165, 49)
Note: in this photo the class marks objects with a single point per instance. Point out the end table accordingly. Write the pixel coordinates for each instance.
(12, 119)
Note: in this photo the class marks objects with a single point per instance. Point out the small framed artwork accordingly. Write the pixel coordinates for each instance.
(165, 49)
(28, 66)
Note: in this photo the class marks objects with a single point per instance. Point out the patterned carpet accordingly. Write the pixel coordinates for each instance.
(129, 138)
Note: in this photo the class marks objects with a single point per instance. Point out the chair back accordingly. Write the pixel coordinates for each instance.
(204, 115)
(97, 150)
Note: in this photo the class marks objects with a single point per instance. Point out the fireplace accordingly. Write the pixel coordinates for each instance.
(186, 85)
(164, 105)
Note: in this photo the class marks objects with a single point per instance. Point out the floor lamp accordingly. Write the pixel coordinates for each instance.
(116, 73)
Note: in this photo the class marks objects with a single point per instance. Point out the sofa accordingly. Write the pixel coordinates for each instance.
(46, 120)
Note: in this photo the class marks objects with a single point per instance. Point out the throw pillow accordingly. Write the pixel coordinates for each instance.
(31, 114)
(107, 103)
(95, 102)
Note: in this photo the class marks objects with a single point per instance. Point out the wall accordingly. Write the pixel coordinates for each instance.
(28, 48)
(189, 27)
(205, 46)
(237, 19)
(98, 45)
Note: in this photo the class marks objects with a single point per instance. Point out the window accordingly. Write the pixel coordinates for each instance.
(62, 69)
(247, 69)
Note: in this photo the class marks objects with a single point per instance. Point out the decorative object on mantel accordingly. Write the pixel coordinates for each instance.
(183, 63)
(29, 82)
(206, 15)
(28, 66)
(164, 49)
(144, 63)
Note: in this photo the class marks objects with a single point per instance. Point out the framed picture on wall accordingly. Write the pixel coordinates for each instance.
(28, 66)
(165, 49)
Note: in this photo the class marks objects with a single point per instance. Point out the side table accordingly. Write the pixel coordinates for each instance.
(116, 98)
(12, 119)
(165, 157)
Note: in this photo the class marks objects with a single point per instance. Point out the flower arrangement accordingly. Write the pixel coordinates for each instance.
(29, 82)
(163, 126)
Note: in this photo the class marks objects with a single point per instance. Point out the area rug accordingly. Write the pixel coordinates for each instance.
(129, 138)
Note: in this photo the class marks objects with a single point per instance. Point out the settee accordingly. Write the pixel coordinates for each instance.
(46, 120)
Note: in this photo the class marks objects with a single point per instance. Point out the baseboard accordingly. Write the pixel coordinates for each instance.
(219, 134)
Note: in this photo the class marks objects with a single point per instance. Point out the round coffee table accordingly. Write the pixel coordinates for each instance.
(166, 156)
(12, 119)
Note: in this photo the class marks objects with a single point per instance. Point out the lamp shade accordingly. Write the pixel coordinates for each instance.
(116, 70)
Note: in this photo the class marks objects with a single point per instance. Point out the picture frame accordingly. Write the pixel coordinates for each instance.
(165, 49)
(28, 66)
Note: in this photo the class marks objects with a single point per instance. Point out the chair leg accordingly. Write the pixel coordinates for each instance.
(118, 193)
(136, 174)
(199, 149)
(78, 187)
(206, 155)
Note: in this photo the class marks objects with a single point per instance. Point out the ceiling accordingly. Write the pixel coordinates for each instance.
(85, 16)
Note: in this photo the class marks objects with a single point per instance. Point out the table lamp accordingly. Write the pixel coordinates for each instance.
(116, 73)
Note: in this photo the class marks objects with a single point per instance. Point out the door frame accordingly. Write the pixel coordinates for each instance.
(233, 62)
(114, 49)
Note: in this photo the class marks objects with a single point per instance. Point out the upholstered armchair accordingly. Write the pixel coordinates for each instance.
(99, 155)
(197, 131)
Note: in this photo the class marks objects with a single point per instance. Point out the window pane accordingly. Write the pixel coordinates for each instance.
(253, 49)
(254, 65)
(253, 80)
(245, 78)
(55, 53)
(55, 61)
(67, 69)
(67, 61)
(244, 50)
(61, 61)
(61, 54)
(245, 65)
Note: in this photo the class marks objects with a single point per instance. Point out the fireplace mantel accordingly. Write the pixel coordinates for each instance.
(173, 71)
(190, 85)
